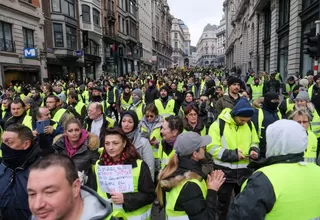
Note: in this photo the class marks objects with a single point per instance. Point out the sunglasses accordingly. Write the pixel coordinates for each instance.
(150, 116)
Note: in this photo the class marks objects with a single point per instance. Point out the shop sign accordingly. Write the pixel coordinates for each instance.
(30, 52)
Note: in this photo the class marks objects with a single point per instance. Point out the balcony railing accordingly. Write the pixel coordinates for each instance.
(7, 46)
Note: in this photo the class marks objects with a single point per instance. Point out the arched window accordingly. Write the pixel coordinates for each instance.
(85, 13)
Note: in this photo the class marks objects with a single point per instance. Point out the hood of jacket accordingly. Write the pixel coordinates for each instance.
(94, 207)
(93, 142)
(226, 116)
(187, 169)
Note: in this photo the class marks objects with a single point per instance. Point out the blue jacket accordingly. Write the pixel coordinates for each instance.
(13, 191)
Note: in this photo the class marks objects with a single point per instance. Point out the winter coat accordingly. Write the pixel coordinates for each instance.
(84, 158)
(151, 95)
(225, 102)
(13, 191)
(94, 207)
(191, 198)
(144, 149)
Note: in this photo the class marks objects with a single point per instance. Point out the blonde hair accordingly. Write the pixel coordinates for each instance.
(165, 173)
(302, 111)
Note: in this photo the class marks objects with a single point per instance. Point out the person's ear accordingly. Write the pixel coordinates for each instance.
(76, 187)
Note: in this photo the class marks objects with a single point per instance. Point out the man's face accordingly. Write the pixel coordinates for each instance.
(174, 87)
(71, 100)
(50, 195)
(5, 103)
(51, 103)
(45, 114)
(234, 88)
(96, 93)
(163, 93)
(291, 82)
(16, 109)
(90, 85)
(256, 81)
(34, 94)
(14, 142)
(241, 120)
(45, 89)
(93, 113)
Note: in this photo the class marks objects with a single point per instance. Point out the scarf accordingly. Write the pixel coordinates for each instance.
(71, 151)
(132, 134)
(198, 128)
(106, 160)
(14, 158)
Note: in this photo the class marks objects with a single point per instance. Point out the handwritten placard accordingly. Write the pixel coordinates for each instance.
(116, 178)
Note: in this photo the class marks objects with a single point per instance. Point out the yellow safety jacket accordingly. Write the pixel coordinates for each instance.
(233, 137)
(257, 91)
(164, 158)
(125, 105)
(315, 123)
(57, 116)
(310, 91)
(296, 187)
(250, 80)
(290, 105)
(310, 154)
(79, 107)
(173, 195)
(260, 120)
(144, 213)
(165, 112)
(155, 135)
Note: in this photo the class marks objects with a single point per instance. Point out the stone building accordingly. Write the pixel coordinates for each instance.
(266, 34)
(221, 36)
(21, 42)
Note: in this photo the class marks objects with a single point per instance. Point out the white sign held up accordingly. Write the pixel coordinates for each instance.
(116, 178)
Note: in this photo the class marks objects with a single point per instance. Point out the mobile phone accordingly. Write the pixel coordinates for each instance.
(41, 125)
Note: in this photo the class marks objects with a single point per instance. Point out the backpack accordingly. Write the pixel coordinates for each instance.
(222, 124)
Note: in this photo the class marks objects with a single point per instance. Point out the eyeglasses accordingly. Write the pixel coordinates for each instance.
(150, 116)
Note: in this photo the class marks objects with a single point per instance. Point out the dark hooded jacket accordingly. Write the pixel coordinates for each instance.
(151, 94)
(13, 191)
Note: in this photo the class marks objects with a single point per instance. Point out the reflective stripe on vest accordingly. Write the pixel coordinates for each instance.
(142, 213)
(257, 91)
(57, 116)
(310, 154)
(173, 195)
(165, 112)
(125, 105)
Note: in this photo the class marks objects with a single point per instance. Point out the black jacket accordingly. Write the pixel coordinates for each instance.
(269, 117)
(14, 120)
(191, 199)
(84, 158)
(151, 95)
(258, 197)
(13, 191)
(146, 190)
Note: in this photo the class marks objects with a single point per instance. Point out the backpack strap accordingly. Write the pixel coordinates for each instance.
(222, 124)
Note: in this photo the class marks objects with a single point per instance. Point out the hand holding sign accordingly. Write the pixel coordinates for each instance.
(115, 179)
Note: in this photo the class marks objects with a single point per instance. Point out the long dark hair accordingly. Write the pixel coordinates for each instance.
(129, 150)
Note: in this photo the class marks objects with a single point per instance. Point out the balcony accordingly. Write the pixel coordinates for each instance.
(91, 27)
(111, 15)
(243, 6)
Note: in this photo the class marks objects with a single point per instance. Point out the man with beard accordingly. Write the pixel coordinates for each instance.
(124, 100)
(19, 115)
(264, 117)
(165, 104)
(19, 151)
(76, 106)
(96, 96)
(232, 97)
(58, 114)
(176, 95)
(36, 99)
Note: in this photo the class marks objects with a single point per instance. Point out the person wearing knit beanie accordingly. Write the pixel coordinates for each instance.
(303, 96)
(233, 80)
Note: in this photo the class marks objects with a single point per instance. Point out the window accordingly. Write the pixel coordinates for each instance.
(71, 38)
(67, 7)
(96, 17)
(127, 26)
(308, 3)
(58, 35)
(124, 26)
(119, 23)
(267, 23)
(85, 13)
(176, 35)
(93, 48)
(175, 45)
(132, 8)
(284, 9)
(6, 42)
(28, 39)
(56, 6)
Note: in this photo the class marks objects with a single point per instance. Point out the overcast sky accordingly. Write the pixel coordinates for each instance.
(196, 14)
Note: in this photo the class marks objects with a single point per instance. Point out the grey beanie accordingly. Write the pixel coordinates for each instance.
(138, 92)
(303, 95)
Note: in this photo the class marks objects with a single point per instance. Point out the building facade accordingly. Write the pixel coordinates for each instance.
(267, 35)
(161, 35)
(178, 43)
(21, 42)
(207, 47)
(145, 33)
(221, 40)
